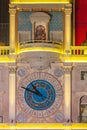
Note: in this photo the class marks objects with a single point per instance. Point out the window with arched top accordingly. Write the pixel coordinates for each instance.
(83, 109)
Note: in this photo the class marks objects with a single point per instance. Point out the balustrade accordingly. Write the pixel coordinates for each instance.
(78, 50)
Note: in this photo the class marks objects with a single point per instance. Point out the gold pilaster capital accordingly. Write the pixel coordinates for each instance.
(68, 68)
(12, 9)
(68, 9)
(12, 69)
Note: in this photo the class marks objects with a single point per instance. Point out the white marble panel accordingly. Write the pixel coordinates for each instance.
(24, 36)
(56, 36)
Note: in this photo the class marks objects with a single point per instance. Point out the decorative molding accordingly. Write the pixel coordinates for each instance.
(12, 69)
(40, 7)
(67, 69)
(68, 9)
(53, 9)
(38, 57)
(59, 117)
(21, 71)
(68, 6)
(20, 117)
(59, 72)
(80, 66)
(44, 44)
(12, 9)
(39, 17)
(12, 6)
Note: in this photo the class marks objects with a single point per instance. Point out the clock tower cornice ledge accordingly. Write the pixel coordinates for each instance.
(38, 59)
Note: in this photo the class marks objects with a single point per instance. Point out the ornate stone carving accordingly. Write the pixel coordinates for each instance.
(59, 117)
(39, 16)
(20, 117)
(68, 9)
(67, 69)
(21, 71)
(59, 72)
(12, 9)
(12, 69)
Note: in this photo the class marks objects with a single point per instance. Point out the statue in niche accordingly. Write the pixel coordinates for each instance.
(40, 33)
(83, 75)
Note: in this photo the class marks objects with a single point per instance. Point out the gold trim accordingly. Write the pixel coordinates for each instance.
(54, 126)
(38, 1)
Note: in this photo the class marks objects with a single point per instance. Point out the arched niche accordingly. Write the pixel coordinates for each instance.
(83, 109)
(40, 21)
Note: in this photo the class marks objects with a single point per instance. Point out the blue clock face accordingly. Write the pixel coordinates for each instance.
(39, 95)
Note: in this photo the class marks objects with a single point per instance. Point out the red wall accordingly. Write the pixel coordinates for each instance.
(80, 21)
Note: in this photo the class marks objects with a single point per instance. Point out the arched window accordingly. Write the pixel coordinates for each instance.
(83, 109)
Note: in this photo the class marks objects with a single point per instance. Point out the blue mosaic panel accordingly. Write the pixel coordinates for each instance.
(23, 21)
(56, 22)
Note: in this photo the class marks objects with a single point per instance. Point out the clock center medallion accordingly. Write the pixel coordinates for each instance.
(43, 96)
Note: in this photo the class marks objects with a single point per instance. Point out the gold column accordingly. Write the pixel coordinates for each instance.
(67, 28)
(12, 38)
(33, 30)
(47, 31)
(67, 93)
(12, 70)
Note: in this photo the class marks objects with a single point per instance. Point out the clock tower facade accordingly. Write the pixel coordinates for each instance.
(43, 75)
